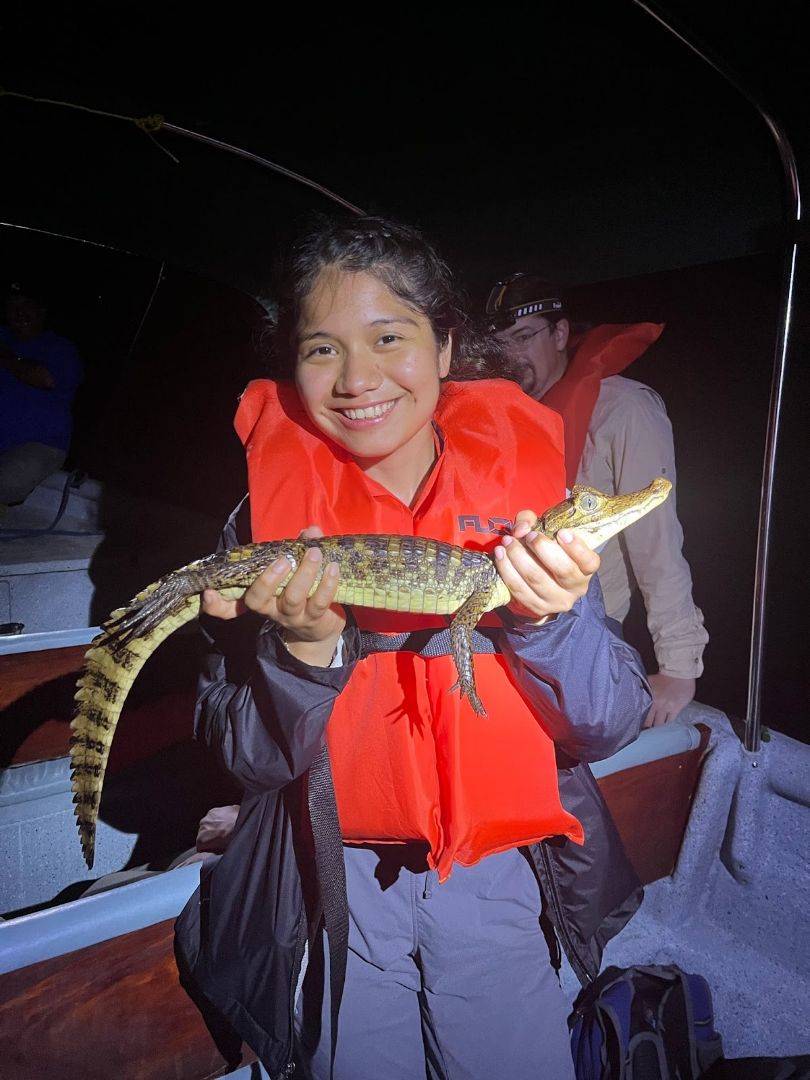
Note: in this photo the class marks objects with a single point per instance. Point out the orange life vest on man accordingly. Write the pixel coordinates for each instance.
(605, 350)
(410, 760)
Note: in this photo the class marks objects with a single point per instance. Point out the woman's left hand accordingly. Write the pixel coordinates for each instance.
(545, 577)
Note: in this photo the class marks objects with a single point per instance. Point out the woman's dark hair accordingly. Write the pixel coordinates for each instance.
(404, 261)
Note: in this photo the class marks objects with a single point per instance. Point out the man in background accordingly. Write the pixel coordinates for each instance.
(39, 375)
(618, 438)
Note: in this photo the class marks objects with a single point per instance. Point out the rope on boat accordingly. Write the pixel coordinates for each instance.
(147, 124)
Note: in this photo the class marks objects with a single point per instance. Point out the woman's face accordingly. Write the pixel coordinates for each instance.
(368, 368)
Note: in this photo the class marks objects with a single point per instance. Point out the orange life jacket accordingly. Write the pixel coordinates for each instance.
(605, 350)
(410, 760)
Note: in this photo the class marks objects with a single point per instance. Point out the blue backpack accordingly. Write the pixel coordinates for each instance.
(644, 1023)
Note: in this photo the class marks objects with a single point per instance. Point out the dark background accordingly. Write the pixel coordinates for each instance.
(581, 140)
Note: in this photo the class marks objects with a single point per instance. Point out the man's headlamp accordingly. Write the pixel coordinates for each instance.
(512, 299)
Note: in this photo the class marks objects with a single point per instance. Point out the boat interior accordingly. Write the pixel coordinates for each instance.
(724, 863)
(713, 808)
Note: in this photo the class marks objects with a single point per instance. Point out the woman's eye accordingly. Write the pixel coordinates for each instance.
(319, 350)
(386, 339)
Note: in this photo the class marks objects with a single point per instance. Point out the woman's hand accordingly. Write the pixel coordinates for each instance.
(312, 625)
(545, 577)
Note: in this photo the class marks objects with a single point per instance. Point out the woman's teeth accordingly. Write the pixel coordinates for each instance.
(370, 412)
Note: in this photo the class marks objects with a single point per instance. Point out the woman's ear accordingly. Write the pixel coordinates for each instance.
(445, 356)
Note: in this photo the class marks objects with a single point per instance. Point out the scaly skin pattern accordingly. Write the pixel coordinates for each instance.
(395, 573)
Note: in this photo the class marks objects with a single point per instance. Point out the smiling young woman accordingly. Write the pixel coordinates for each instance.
(369, 374)
(376, 802)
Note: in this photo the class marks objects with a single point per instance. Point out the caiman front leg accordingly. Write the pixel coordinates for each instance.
(464, 622)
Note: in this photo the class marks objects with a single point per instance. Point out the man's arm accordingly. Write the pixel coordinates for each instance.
(46, 361)
(641, 447)
(30, 372)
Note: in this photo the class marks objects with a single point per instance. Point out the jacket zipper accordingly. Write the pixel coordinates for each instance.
(578, 963)
(289, 1067)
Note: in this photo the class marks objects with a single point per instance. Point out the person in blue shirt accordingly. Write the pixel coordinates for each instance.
(39, 375)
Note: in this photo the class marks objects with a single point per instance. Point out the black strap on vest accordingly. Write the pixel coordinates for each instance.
(331, 873)
(431, 642)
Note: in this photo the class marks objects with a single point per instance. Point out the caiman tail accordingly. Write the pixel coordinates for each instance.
(394, 573)
(112, 664)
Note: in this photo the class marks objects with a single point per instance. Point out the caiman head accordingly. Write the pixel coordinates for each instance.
(597, 516)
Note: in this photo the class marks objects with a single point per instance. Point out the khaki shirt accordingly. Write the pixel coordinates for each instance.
(629, 443)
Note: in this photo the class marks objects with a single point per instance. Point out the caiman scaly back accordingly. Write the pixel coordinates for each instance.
(395, 573)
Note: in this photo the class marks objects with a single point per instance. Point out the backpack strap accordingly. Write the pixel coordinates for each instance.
(676, 1022)
(647, 1058)
(600, 1027)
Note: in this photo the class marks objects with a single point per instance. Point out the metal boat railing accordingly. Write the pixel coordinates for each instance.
(793, 211)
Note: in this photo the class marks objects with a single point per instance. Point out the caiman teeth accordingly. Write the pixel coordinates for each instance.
(370, 411)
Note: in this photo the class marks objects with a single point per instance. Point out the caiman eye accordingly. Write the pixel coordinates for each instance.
(588, 502)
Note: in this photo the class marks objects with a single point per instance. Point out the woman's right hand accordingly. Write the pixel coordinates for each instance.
(312, 625)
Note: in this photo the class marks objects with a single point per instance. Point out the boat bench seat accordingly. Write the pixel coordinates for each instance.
(96, 960)
(649, 787)
(653, 744)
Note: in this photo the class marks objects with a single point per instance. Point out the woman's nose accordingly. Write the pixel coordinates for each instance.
(359, 373)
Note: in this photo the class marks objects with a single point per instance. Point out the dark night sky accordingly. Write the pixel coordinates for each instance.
(576, 138)
(580, 130)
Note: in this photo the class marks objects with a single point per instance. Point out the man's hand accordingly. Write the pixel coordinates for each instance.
(670, 696)
(545, 577)
(312, 624)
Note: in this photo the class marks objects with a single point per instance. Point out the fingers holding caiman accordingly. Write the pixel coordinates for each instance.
(545, 577)
(312, 622)
(299, 594)
(219, 607)
(214, 603)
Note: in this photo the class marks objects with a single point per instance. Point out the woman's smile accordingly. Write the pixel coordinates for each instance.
(359, 416)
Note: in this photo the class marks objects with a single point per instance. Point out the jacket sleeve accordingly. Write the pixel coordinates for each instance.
(593, 679)
(259, 709)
